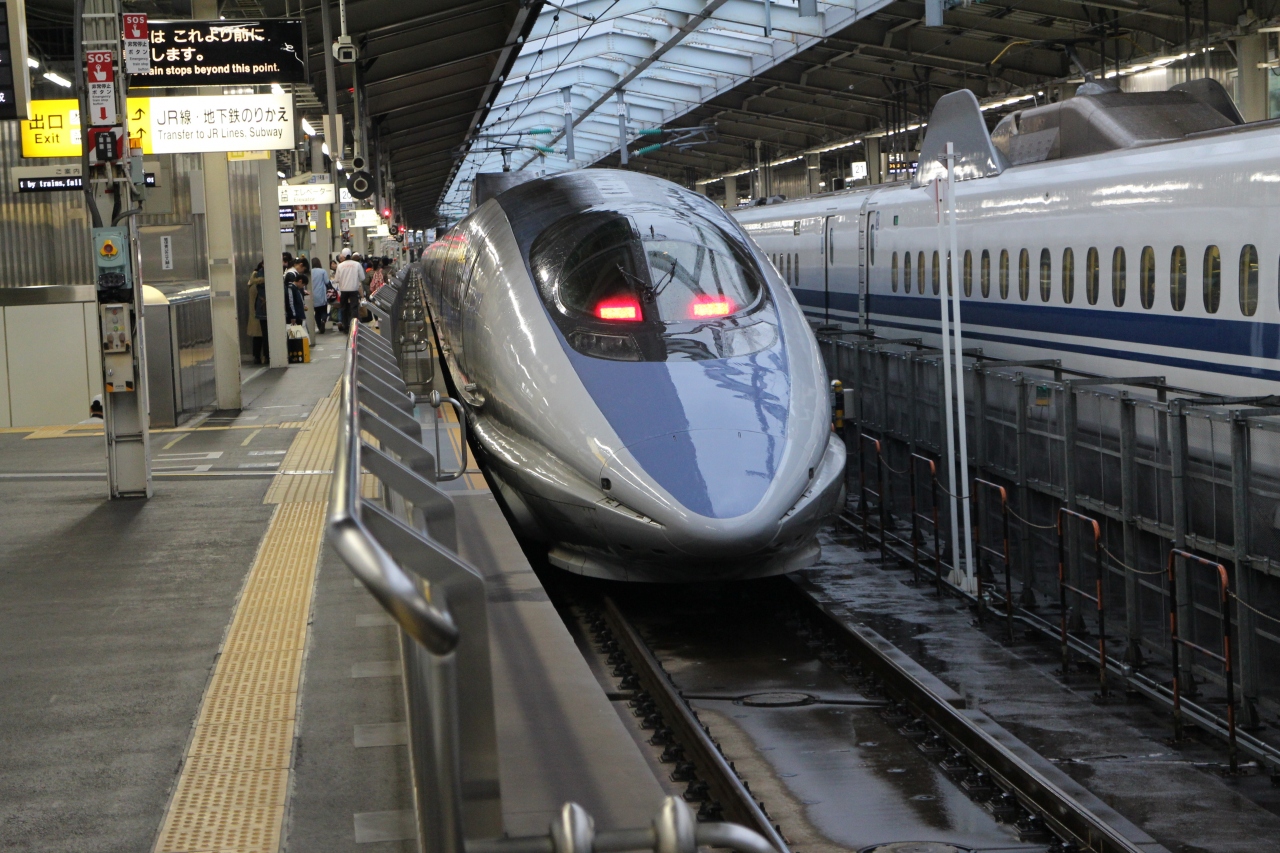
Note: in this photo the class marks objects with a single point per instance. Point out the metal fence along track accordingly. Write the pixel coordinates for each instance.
(1159, 469)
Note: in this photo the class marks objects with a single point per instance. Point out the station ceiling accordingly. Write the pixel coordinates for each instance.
(453, 88)
(813, 83)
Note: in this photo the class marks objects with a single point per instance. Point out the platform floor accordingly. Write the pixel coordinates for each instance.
(198, 672)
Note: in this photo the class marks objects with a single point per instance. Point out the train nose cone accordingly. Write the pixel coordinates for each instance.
(717, 473)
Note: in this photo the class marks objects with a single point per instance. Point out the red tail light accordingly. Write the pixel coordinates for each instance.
(709, 305)
(619, 308)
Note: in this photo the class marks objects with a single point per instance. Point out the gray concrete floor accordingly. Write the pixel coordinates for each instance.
(112, 613)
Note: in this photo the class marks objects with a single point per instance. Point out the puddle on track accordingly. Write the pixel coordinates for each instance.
(835, 777)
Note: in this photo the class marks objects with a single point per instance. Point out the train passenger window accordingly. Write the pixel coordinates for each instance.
(1212, 278)
(1178, 278)
(1046, 275)
(787, 264)
(906, 271)
(1024, 275)
(796, 268)
(986, 274)
(949, 288)
(1248, 281)
(968, 273)
(937, 275)
(1147, 277)
(1091, 266)
(893, 274)
(1004, 273)
(920, 272)
(1068, 276)
(1117, 277)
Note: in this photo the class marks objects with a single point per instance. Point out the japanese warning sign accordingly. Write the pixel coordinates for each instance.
(102, 87)
(223, 53)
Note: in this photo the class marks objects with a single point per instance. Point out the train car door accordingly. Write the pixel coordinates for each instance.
(868, 224)
(828, 247)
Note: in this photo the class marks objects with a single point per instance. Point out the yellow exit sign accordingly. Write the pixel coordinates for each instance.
(54, 127)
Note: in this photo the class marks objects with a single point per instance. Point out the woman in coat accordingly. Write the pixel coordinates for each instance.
(258, 316)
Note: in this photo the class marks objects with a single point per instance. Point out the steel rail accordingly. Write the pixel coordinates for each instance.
(983, 742)
(712, 767)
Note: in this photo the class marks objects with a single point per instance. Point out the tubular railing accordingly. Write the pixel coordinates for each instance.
(1177, 640)
(1001, 553)
(1065, 517)
(931, 519)
(402, 546)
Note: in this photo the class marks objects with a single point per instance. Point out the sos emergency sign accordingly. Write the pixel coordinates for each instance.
(102, 87)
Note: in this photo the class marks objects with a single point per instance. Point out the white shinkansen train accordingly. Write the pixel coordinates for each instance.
(1128, 234)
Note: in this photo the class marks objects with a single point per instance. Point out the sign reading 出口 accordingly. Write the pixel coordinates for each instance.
(196, 124)
(224, 53)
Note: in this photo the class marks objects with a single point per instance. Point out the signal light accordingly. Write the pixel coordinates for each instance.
(708, 305)
(620, 308)
(386, 213)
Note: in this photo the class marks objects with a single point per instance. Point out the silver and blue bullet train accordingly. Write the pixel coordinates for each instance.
(643, 388)
(1130, 234)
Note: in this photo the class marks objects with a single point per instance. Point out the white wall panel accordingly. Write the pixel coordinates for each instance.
(48, 364)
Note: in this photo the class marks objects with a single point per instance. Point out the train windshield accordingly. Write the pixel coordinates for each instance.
(651, 283)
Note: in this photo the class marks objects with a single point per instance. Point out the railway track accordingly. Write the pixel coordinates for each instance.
(771, 712)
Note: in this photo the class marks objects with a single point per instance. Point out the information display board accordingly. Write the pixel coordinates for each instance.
(224, 53)
(180, 125)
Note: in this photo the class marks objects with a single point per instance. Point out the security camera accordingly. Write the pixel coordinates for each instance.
(344, 50)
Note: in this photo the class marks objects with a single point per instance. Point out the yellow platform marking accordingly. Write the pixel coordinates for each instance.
(175, 440)
(251, 437)
(231, 794)
(59, 431)
(85, 430)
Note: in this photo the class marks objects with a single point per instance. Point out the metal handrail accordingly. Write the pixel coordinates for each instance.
(399, 593)
(436, 401)
(412, 568)
(674, 830)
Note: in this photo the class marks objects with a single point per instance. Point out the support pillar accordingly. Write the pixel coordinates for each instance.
(222, 280)
(813, 169)
(1253, 80)
(272, 269)
(222, 257)
(875, 168)
(730, 192)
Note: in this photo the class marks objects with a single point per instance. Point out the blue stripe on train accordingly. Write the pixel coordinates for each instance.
(1226, 337)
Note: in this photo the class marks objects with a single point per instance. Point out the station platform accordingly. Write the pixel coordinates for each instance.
(199, 671)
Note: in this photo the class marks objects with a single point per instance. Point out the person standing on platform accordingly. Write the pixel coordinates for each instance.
(319, 293)
(258, 316)
(348, 277)
(296, 291)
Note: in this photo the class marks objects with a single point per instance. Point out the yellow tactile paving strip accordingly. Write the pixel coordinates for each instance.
(87, 430)
(230, 796)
